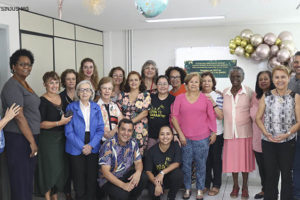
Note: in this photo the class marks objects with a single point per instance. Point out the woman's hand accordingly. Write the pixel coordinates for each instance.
(34, 149)
(281, 137)
(87, 149)
(158, 190)
(64, 120)
(12, 112)
(271, 138)
(176, 139)
(182, 140)
(212, 138)
(159, 179)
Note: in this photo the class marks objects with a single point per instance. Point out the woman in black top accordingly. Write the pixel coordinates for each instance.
(52, 170)
(160, 109)
(162, 165)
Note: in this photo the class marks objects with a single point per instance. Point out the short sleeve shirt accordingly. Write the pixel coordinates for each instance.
(156, 160)
(14, 92)
(119, 158)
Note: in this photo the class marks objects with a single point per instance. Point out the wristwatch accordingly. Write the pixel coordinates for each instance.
(289, 133)
(162, 172)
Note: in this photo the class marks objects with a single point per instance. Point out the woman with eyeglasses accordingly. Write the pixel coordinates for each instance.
(118, 75)
(159, 110)
(176, 77)
(134, 103)
(110, 110)
(52, 170)
(149, 75)
(21, 132)
(83, 135)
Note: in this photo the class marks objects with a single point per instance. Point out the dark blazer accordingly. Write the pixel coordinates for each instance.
(75, 129)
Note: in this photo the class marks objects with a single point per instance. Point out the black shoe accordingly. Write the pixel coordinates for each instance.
(258, 196)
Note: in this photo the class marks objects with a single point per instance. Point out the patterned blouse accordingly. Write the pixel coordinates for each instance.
(279, 114)
(110, 113)
(119, 158)
(130, 111)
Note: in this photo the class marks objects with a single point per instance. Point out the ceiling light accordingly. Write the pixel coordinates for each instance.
(184, 19)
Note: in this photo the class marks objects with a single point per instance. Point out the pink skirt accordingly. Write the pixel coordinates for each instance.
(238, 155)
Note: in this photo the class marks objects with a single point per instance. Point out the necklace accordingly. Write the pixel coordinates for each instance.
(281, 98)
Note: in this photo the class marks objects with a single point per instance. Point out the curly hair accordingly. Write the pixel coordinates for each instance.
(64, 75)
(94, 78)
(180, 70)
(17, 54)
(142, 87)
(111, 73)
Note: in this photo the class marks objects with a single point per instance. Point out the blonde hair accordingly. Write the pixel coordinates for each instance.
(281, 68)
(189, 77)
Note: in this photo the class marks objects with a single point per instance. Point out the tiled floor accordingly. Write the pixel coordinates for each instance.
(254, 187)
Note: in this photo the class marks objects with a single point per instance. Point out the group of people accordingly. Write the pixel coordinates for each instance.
(118, 135)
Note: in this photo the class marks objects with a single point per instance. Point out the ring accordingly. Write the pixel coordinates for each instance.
(35, 153)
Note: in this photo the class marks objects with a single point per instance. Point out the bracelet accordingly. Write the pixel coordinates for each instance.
(215, 106)
(289, 133)
(56, 123)
(162, 172)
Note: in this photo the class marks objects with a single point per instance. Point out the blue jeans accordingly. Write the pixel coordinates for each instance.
(196, 150)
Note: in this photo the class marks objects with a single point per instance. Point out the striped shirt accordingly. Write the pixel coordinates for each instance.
(218, 98)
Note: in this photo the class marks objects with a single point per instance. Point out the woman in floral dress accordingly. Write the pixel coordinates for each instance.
(134, 103)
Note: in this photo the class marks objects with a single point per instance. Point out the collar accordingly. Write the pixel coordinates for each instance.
(117, 141)
(83, 106)
(240, 91)
(100, 102)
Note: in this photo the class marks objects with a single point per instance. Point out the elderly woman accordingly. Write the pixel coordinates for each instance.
(237, 152)
(52, 171)
(162, 165)
(176, 76)
(149, 75)
(110, 111)
(263, 84)
(214, 159)
(88, 71)
(159, 110)
(188, 108)
(134, 103)
(84, 133)
(21, 132)
(118, 75)
(281, 110)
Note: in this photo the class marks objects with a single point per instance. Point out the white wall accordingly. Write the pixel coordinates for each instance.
(160, 45)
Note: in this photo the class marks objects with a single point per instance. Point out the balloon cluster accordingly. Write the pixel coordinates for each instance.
(278, 50)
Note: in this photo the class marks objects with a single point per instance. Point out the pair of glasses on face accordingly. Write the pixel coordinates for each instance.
(24, 64)
(162, 84)
(82, 90)
(174, 77)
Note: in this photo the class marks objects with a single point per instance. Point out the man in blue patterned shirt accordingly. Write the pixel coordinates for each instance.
(121, 167)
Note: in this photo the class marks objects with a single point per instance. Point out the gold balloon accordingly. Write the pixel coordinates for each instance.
(249, 48)
(244, 43)
(231, 41)
(247, 55)
(238, 37)
(278, 41)
(231, 51)
(238, 41)
(232, 45)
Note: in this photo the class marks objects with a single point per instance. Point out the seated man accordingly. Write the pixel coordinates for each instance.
(118, 177)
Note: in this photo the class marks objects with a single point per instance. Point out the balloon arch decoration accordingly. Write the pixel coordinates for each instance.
(277, 50)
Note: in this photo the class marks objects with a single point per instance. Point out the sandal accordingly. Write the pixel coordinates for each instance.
(187, 194)
(214, 191)
(235, 192)
(245, 193)
(199, 195)
(205, 190)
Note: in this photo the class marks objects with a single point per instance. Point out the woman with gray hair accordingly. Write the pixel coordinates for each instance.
(149, 75)
(237, 152)
(83, 135)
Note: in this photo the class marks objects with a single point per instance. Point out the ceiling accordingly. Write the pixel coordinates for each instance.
(122, 14)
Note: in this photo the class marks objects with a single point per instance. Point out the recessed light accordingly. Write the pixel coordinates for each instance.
(185, 19)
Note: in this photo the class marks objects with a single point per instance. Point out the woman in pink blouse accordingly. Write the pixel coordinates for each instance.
(194, 120)
(263, 84)
(237, 152)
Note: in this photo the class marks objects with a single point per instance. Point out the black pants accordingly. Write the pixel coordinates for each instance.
(116, 193)
(84, 175)
(172, 181)
(214, 164)
(260, 163)
(20, 166)
(278, 156)
(296, 171)
(68, 189)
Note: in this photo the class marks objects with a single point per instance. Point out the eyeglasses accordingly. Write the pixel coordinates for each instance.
(174, 77)
(82, 90)
(24, 64)
(162, 84)
(116, 76)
